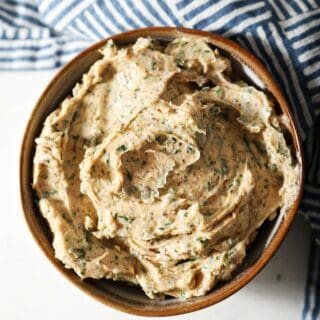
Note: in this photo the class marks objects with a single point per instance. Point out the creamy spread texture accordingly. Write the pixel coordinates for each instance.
(160, 168)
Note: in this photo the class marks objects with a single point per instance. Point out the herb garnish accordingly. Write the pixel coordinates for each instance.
(75, 116)
(248, 147)
(219, 91)
(238, 180)
(80, 253)
(153, 64)
(110, 44)
(180, 62)
(224, 166)
(66, 217)
(243, 118)
(122, 148)
(48, 194)
(168, 223)
(190, 149)
(181, 43)
(209, 185)
(126, 218)
(259, 146)
(180, 59)
(223, 170)
(129, 175)
(282, 151)
(215, 110)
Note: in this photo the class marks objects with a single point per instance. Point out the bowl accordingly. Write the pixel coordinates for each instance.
(120, 295)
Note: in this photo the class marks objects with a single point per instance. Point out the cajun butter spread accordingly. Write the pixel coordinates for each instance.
(160, 168)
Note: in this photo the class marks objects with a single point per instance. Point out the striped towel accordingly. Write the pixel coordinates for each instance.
(284, 34)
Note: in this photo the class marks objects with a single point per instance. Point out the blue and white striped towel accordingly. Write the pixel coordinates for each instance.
(284, 34)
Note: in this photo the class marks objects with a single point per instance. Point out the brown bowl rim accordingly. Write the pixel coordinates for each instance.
(249, 273)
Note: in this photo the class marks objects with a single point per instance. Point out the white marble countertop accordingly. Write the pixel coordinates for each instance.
(31, 288)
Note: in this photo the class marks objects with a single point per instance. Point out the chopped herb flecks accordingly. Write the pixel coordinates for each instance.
(180, 62)
(219, 91)
(48, 194)
(80, 253)
(190, 149)
(282, 151)
(122, 148)
(153, 64)
(243, 118)
(123, 217)
(223, 170)
(209, 185)
(215, 110)
(180, 59)
(181, 42)
(248, 147)
(224, 166)
(259, 146)
(110, 44)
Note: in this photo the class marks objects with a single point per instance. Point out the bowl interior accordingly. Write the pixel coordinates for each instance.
(121, 295)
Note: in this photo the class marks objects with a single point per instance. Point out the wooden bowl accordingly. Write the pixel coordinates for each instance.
(120, 295)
